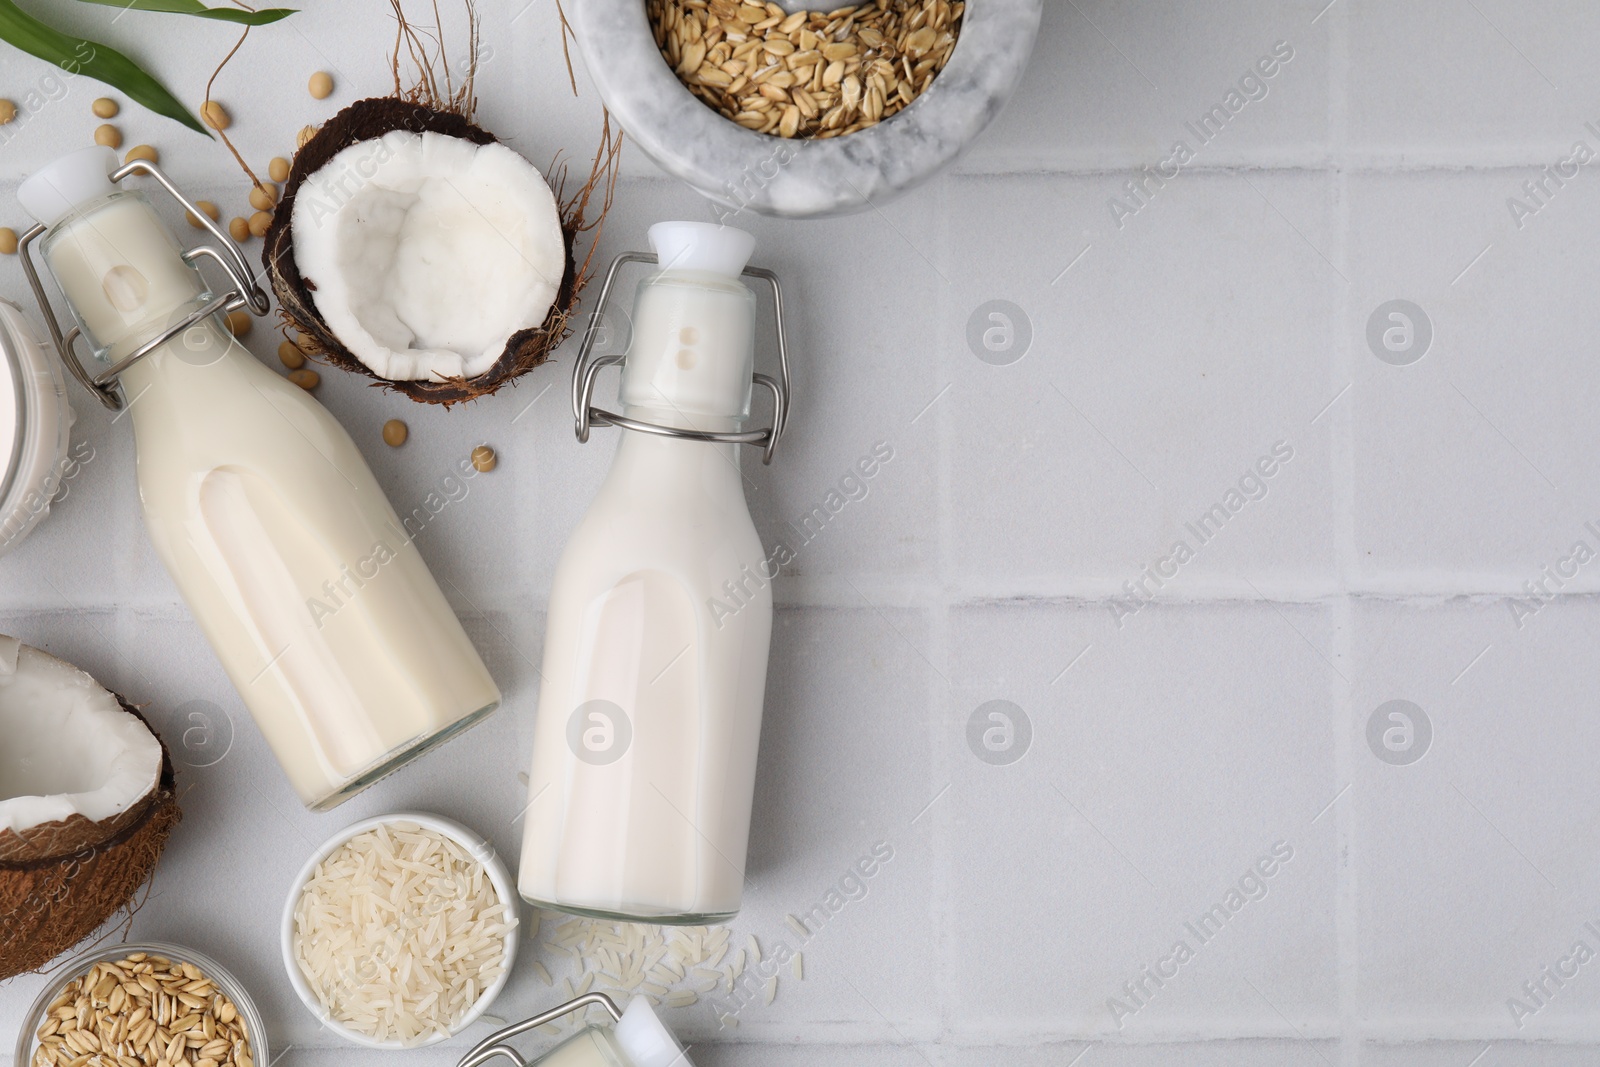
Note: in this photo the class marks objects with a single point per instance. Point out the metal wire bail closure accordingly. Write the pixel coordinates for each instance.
(245, 294)
(585, 372)
(495, 1044)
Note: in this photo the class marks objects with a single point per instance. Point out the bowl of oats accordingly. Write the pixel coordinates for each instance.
(804, 112)
(147, 1004)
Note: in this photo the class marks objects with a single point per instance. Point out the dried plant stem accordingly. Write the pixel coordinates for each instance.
(254, 181)
(432, 64)
(567, 35)
(602, 176)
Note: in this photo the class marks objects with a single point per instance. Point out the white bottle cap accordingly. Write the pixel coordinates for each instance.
(72, 181)
(645, 1039)
(701, 246)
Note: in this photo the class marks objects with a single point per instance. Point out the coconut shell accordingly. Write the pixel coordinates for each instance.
(363, 121)
(61, 880)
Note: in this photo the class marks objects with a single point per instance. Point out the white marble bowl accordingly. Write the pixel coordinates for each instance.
(737, 168)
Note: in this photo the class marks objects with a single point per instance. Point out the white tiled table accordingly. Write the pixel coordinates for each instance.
(1169, 752)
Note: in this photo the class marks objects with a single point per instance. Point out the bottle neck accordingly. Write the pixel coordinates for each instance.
(123, 273)
(692, 352)
(652, 461)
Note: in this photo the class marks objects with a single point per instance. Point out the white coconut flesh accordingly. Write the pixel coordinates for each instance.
(428, 252)
(70, 748)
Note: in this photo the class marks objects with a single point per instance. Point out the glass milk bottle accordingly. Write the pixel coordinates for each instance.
(660, 615)
(268, 519)
(636, 1038)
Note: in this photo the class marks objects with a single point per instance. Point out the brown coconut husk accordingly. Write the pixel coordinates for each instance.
(61, 880)
(434, 105)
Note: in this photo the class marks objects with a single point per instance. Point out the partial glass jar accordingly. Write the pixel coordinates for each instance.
(255, 1034)
(35, 427)
(638, 1038)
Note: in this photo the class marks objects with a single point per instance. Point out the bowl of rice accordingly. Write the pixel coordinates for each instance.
(401, 930)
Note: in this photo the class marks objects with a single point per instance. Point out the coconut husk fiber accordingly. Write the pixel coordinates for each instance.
(61, 880)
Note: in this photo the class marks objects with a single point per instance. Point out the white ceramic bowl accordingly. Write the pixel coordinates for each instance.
(476, 846)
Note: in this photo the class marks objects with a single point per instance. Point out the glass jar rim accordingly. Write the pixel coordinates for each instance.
(13, 398)
(35, 420)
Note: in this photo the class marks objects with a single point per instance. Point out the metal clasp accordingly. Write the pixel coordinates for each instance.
(495, 1044)
(584, 373)
(246, 292)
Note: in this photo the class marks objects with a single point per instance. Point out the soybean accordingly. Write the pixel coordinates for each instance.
(208, 207)
(216, 115)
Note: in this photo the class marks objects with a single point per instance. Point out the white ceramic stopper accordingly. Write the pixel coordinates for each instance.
(701, 246)
(60, 188)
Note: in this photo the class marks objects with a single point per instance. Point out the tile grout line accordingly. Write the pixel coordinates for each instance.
(941, 756)
(1341, 434)
(826, 591)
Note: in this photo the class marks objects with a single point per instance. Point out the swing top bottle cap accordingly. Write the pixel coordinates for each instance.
(692, 348)
(645, 1039)
(701, 246)
(60, 188)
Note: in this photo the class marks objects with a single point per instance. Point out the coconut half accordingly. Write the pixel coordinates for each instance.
(412, 246)
(87, 800)
(426, 253)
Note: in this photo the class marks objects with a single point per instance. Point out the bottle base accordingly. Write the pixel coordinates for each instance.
(399, 758)
(639, 915)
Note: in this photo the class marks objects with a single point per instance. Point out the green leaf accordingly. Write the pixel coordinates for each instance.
(77, 56)
(196, 8)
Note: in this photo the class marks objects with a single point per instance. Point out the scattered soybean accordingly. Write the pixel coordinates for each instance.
(208, 207)
(215, 115)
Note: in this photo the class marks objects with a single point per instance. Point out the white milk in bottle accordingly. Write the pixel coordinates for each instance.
(273, 528)
(644, 752)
